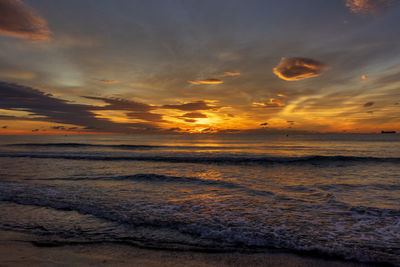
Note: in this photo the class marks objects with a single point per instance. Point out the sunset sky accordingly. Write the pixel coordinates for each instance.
(98, 66)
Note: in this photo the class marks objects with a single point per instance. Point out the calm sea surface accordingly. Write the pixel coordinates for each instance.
(331, 194)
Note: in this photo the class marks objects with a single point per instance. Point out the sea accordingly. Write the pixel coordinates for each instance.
(331, 195)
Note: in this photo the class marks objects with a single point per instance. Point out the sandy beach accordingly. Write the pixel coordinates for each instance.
(15, 250)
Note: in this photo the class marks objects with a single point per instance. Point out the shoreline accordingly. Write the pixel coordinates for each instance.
(17, 249)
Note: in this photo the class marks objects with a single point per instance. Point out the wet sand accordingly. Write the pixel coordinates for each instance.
(15, 250)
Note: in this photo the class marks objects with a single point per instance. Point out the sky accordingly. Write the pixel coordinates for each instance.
(189, 66)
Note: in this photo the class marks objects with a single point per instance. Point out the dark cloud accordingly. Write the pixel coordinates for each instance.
(368, 104)
(58, 127)
(5, 127)
(194, 115)
(192, 106)
(138, 110)
(264, 124)
(147, 116)
(369, 7)
(206, 81)
(120, 104)
(294, 68)
(190, 120)
(19, 20)
(51, 109)
(175, 129)
(35, 130)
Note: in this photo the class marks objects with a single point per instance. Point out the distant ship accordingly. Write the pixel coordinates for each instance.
(388, 132)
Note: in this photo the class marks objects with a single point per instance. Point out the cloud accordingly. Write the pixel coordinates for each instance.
(51, 109)
(120, 104)
(264, 124)
(19, 20)
(194, 115)
(206, 81)
(369, 104)
(58, 128)
(109, 81)
(368, 7)
(5, 127)
(138, 110)
(272, 103)
(146, 116)
(228, 74)
(192, 106)
(294, 68)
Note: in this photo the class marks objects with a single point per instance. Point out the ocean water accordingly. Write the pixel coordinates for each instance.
(332, 194)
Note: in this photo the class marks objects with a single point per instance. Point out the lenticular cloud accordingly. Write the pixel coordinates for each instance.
(294, 68)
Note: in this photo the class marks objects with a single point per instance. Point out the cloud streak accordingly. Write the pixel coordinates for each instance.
(19, 20)
(296, 68)
(209, 81)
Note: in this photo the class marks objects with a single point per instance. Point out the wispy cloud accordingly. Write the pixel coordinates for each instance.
(19, 20)
(274, 102)
(209, 81)
(295, 68)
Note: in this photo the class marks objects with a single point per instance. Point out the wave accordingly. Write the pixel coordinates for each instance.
(228, 230)
(151, 177)
(119, 146)
(234, 160)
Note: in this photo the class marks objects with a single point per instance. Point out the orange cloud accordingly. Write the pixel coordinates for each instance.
(272, 103)
(295, 68)
(206, 81)
(367, 7)
(19, 20)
